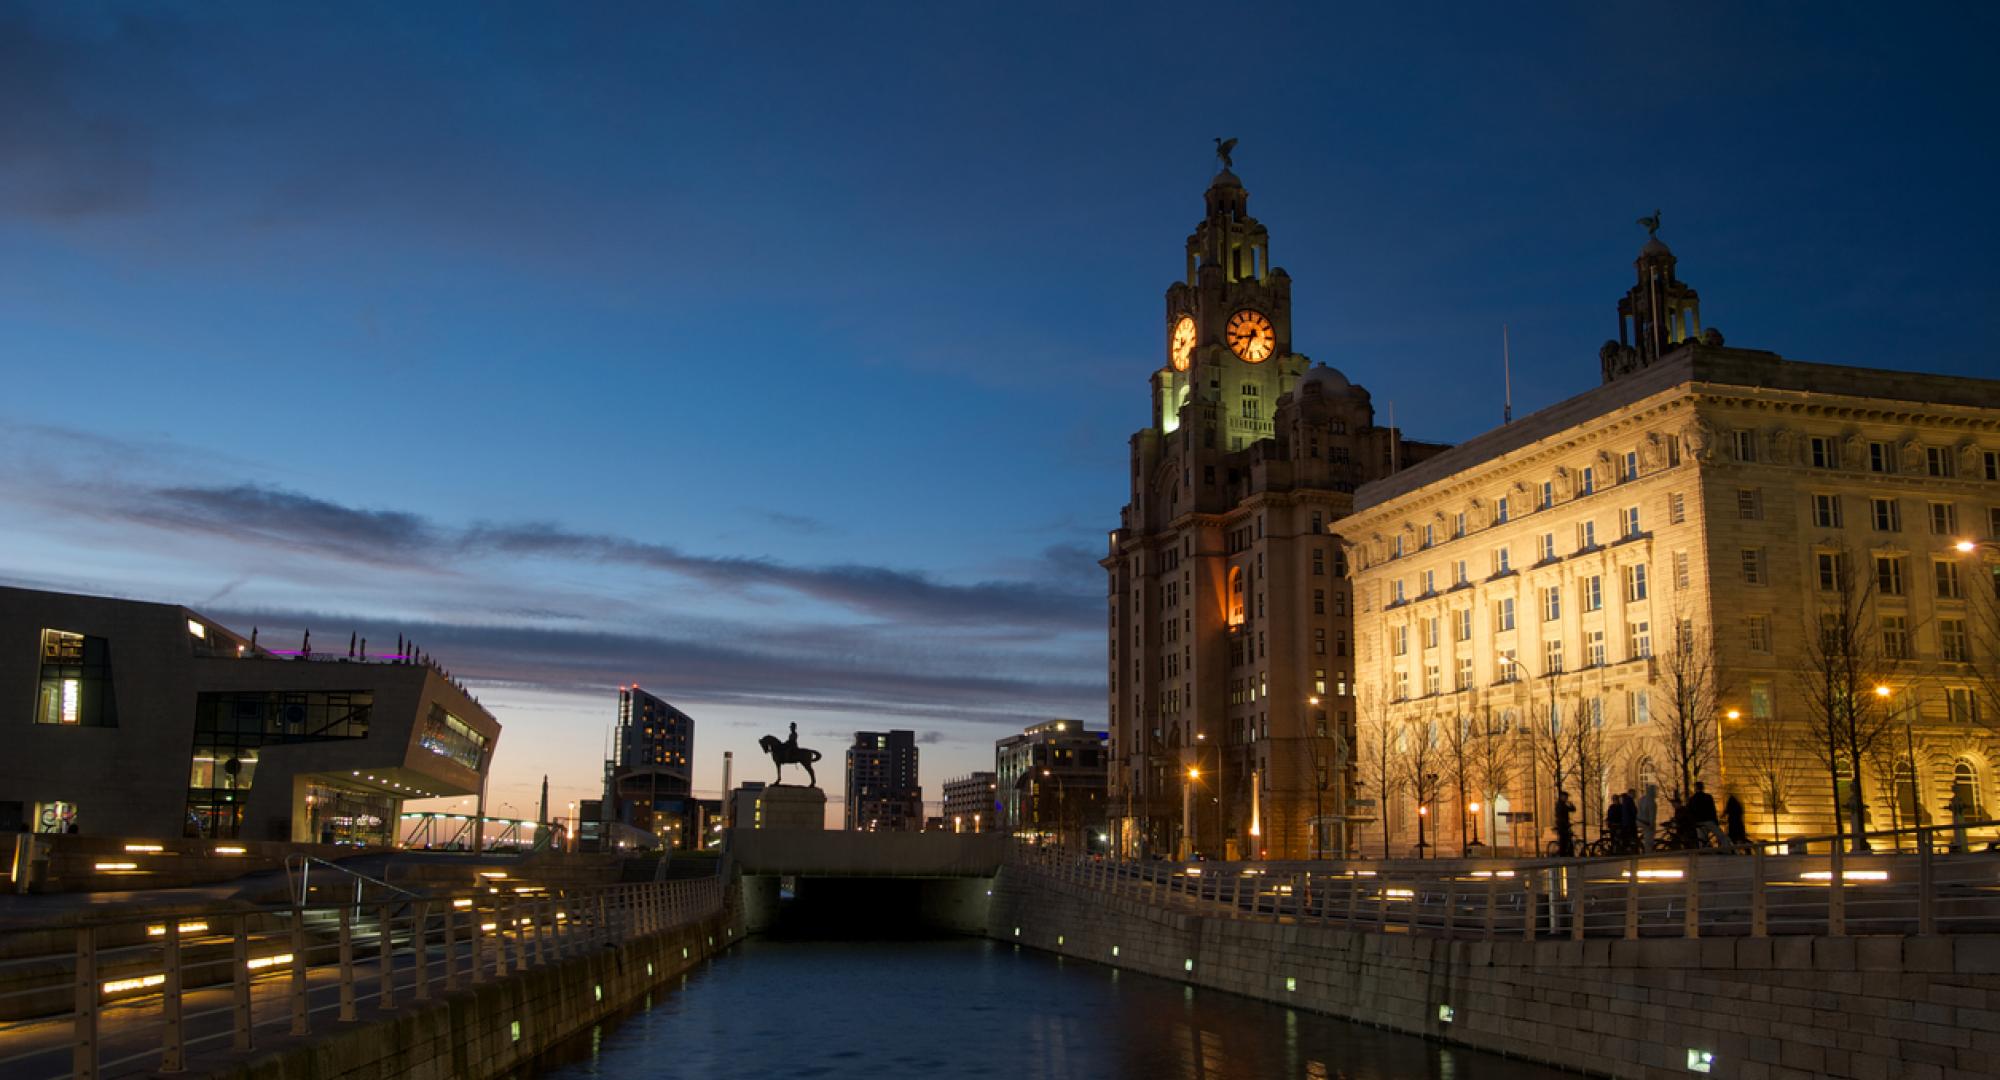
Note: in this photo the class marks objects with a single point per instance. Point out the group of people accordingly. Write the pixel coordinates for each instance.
(1631, 822)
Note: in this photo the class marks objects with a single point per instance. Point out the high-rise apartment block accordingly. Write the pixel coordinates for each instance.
(883, 794)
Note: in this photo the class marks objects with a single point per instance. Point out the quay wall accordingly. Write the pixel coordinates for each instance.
(472, 1034)
(1766, 1008)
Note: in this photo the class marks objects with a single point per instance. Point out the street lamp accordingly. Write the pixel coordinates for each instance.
(1474, 808)
(1187, 812)
(1062, 808)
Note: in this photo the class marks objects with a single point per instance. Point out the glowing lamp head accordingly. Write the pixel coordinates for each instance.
(1423, 811)
(1194, 773)
(1312, 700)
(1881, 691)
(1965, 546)
(1734, 714)
(1474, 807)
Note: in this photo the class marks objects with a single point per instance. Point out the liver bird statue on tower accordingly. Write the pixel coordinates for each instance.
(1652, 223)
(1222, 149)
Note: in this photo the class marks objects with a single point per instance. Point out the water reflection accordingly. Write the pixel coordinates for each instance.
(970, 1008)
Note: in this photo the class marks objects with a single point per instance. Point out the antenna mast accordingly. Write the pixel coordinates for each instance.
(1507, 376)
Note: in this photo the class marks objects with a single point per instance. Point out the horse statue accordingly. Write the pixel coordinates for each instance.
(788, 752)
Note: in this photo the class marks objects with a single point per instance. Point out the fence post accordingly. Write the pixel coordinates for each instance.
(603, 918)
(240, 983)
(386, 954)
(346, 963)
(1528, 906)
(1691, 919)
(1578, 886)
(1353, 896)
(1836, 895)
(1926, 885)
(83, 1058)
(1492, 891)
(174, 1049)
(1450, 906)
(539, 907)
(476, 942)
(301, 1016)
(420, 947)
(1632, 899)
(450, 914)
(1760, 898)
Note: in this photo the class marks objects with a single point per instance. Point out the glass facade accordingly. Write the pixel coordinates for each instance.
(231, 726)
(447, 736)
(348, 816)
(76, 681)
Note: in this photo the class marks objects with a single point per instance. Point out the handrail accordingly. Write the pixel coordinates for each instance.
(305, 867)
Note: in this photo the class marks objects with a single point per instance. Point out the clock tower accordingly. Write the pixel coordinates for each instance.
(1230, 658)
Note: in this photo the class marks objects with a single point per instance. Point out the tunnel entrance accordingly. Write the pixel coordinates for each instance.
(816, 907)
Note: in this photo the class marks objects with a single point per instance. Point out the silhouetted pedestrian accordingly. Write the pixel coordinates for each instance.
(1732, 817)
(1701, 815)
(1565, 833)
(1649, 816)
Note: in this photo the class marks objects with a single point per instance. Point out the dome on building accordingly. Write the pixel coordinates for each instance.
(1654, 246)
(1329, 381)
(1225, 178)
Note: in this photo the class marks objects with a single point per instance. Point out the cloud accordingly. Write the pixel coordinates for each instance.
(930, 738)
(273, 517)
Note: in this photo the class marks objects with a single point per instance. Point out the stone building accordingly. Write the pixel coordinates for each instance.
(1646, 577)
(1050, 780)
(1228, 601)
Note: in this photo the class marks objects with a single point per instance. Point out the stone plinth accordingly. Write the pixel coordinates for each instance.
(788, 807)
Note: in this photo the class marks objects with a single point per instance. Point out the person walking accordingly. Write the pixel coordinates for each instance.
(1649, 816)
(1732, 823)
(1565, 834)
(1629, 840)
(1701, 814)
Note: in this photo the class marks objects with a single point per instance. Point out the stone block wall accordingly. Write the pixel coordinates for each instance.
(1792, 1007)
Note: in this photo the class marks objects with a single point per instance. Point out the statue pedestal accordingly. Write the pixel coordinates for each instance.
(788, 807)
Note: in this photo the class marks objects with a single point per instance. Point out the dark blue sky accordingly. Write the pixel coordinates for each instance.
(782, 358)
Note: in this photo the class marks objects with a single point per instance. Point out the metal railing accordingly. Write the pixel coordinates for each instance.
(1759, 890)
(147, 995)
(302, 865)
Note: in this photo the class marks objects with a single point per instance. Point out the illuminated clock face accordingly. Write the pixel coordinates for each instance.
(1250, 334)
(1183, 344)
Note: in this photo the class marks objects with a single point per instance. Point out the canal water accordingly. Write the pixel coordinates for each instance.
(965, 1007)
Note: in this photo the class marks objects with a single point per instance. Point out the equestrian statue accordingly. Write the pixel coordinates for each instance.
(789, 752)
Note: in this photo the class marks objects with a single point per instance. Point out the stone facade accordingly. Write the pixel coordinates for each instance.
(1687, 516)
(1228, 603)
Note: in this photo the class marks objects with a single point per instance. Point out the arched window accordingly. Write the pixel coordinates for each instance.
(1965, 790)
(1235, 596)
(1646, 774)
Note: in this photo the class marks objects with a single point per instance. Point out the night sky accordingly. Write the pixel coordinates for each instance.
(782, 358)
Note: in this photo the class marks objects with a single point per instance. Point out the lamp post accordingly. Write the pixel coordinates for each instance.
(1474, 809)
(1534, 783)
(1187, 812)
(1062, 807)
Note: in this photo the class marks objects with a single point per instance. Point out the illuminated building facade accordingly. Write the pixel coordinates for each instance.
(1705, 507)
(972, 803)
(150, 720)
(1051, 781)
(883, 794)
(1228, 600)
(649, 779)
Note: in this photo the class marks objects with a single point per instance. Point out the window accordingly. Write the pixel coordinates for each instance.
(1500, 565)
(1753, 566)
(1396, 591)
(1433, 683)
(1680, 569)
(1947, 580)
(1429, 535)
(1889, 575)
(1895, 637)
(1965, 791)
(1628, 468)
(1552, 657)
(1757, 628)
(1464, 673)
(1746, 445)
(1593, 593)
(1638, 706)
(1992, 464)
(1888, 515)
(1586, 535)
(1399, 640)
(1510, 666)
(1881, 457)
(1684, 635)
(1826, 511)
(1953, 646)
(1396, 546)
(1429, 579)
(1458, 573)
(449, 737)
(1552, 603)
(1593, 648)
(1500, 511)
(1429, 629)
(1319, 601)
(1961, 705)
(1760, 699)
(1944, 519)
(1937, 460)
(1503, 614)
(1586, 482)
(1402, 686)
(1832, 570)
(75, 686)
(1545, 548)
(1825, 454)
(1993, 523)
(1463, 621)
(1639, 641)
(1635, 583)
(1319, 641)
(1676, 508)
(1458, 525)
(1629, 522)
(1319, 563)
(1547, 496)
(1749, 504)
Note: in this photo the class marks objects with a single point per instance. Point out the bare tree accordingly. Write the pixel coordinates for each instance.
(1420, 754)
(1688, 732)
(1982, 657)
(1377, 754)
(1585, 736)
(1551, 745)
(1461, 738)
(1765, 751)
(1492, 761)
(1837, 671)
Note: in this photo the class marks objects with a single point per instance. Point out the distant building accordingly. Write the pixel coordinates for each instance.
(151, 720)
(972, 803)
(1050, 783)
(882, 790)
(649, 780)
(745, 806)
